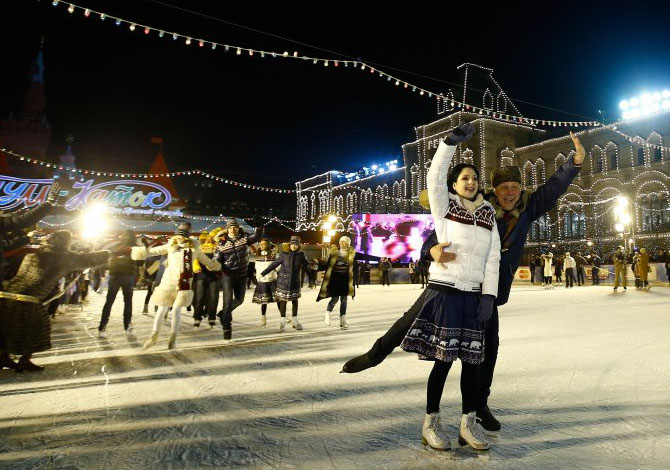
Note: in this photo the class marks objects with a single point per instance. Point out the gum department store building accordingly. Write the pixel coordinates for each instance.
(614, 166)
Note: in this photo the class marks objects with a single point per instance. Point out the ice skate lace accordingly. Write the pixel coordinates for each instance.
(472, 429)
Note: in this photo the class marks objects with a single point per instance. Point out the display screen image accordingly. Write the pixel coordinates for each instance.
(395, 236)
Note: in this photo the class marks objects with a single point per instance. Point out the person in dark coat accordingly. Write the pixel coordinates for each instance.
(531, 267)
(385, 267)
(233, 253)
(13, 223)
(581, 273)
(122, 275)
(515, 212)
(596, 262)
(291, 261)
(25, 327)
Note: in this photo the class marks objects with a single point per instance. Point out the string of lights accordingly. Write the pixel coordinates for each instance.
(175, 174)
(191, 39)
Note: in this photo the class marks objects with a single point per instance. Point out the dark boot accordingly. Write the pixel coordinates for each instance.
(372, 358)
(6, 361)
(25, 364)
(487, 421)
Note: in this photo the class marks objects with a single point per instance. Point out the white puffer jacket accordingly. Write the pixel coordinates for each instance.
(473, 236)
(167, 293)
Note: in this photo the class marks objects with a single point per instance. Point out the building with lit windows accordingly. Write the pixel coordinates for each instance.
(628, 160)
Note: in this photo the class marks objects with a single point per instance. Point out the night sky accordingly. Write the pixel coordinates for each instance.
(274, 121)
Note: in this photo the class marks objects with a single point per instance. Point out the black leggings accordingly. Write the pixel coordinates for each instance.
(294, 308)
(264, 308)
(438, 377)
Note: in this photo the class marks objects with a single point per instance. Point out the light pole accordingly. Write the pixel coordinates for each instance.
(329, 232)
(622, 221)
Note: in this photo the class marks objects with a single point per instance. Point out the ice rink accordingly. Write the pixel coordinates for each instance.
(582, 382)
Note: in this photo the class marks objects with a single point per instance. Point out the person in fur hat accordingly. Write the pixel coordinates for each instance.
(25, 327)
(174, 289)
(232, 251)
(289, 263)
(266, 286)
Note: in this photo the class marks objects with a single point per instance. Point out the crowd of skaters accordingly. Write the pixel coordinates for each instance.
(572, 267)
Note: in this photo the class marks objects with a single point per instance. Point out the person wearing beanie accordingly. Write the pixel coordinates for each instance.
(122, 275)
(266, 286)
(174, 290)
(232, 251)
(289, 262)
(516, 210)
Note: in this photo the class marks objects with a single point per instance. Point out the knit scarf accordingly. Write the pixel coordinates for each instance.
(187, 272)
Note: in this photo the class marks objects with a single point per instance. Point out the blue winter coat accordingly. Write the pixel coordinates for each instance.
(530, 207)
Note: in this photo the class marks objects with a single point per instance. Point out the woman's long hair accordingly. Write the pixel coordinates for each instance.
(456, 172)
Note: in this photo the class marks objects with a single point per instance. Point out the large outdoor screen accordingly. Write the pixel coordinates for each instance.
(396, 236)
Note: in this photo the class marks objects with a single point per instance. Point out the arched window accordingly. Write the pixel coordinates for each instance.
(639, 151)
(612, 155)
(313, 211)
(540, 172)
(574, 224)
(528, 174)
(414, 172)
(656, 153)
(597, 160)
(506, 158)
(501, 103)
(468, 157)
(487, 100)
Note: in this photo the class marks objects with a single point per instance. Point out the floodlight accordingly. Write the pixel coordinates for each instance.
(624, 105)
(634, 102)
(618, 227)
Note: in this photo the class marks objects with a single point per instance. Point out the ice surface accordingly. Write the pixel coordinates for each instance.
(582, 382)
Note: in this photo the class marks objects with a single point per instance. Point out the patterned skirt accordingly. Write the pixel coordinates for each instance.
(283, 295)
(447, 328)
(265, 293)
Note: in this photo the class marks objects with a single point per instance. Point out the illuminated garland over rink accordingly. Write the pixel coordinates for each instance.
(174, 174)
(188, 40)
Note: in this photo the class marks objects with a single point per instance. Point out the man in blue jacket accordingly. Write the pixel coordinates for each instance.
(515, 212)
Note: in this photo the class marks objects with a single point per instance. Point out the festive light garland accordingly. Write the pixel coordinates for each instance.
(336, 63)
(194, 172)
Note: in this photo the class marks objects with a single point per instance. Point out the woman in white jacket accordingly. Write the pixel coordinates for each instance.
(174, 289)
(462, 295)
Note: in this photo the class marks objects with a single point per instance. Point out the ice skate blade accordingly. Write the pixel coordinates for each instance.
(463, 443)
(493, 434)
(425, 443)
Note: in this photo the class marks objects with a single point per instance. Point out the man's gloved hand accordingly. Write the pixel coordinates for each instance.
(485, 308)
(54, 193)
(460, 134)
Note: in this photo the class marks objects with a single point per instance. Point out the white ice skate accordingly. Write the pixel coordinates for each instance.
(263, 320)
(470, 434)
(296, 324)
(282, 323)
(343, 322)
(172, 342)
(431, 433)
(152, 340)
(326, 318)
